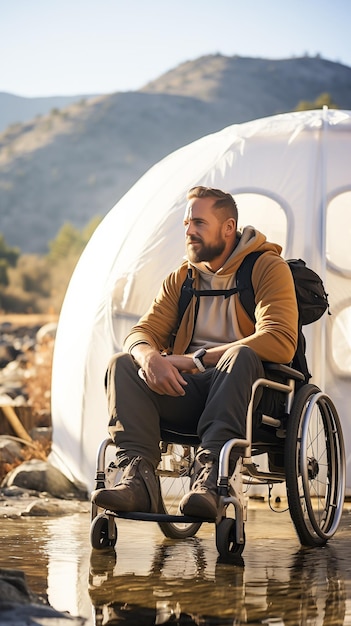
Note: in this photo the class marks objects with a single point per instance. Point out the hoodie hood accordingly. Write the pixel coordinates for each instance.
(249, 240)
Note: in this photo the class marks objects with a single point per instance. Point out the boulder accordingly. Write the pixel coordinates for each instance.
(19, 606)
(41, 476)
(13, 588)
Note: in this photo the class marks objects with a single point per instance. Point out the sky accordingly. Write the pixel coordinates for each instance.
(73, 47)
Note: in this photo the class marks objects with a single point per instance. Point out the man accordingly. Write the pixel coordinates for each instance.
(196, 378)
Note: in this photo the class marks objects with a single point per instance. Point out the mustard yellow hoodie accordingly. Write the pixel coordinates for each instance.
(274, 335)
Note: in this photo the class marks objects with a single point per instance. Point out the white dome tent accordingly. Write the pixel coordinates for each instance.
(290, 175)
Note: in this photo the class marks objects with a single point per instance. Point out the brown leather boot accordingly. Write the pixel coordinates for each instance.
(203, 499)
(138, 490)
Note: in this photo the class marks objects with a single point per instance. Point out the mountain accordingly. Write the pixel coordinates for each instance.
(251, 88)
(17, 109)
(75, 163)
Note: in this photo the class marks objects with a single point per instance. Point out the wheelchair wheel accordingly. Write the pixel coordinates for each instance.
(226, 539)
(99, 533)
(315, 466)
(175, 472)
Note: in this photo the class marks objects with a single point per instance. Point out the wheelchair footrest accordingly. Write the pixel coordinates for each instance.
(158, 517)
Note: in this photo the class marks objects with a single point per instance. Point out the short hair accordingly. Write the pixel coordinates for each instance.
(223, 200)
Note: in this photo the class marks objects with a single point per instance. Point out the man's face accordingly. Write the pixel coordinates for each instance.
(203, 232)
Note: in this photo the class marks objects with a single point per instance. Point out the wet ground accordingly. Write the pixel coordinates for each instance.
(149, 579)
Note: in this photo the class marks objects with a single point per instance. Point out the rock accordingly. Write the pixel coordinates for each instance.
(16, 342)
(41, 476)
(13, 588)
(19, 606)
(8, 353)
(44, 509)
(16, 492)
(10, 450)
(47, 507)
(37, 614)
(16, 502)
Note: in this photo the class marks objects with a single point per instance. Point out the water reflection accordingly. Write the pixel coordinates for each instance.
(151, 580)
(187, 584)
(54, 554)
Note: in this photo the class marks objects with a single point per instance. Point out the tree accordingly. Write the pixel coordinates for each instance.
(8, 258)
(9, 254)
(68, 242)
(4, 278)
(39, 283)
(324, 99)
(90, 228)
(34, 274)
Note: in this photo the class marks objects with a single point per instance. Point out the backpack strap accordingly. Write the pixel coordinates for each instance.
(186, 295)
(188, 292)
(243, 287)
(244, 283)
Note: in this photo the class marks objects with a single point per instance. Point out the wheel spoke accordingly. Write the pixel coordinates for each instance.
(174, 473)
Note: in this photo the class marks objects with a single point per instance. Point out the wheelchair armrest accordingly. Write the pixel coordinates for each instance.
(286, 370)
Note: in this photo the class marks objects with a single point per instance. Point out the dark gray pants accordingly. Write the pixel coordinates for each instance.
(214, 406)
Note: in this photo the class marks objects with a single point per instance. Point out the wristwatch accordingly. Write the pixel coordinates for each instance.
(197, 358)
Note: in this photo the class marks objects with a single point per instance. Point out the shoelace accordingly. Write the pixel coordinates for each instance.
(202, 477)
(128, 473)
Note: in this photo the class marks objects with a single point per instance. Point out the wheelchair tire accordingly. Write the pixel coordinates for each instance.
(226, 543)
(314, 466)
(174, 484)
(99, 533)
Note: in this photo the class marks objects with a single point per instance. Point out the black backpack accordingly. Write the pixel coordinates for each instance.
(312, 300)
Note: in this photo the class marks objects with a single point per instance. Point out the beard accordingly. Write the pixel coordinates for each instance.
(204, 252)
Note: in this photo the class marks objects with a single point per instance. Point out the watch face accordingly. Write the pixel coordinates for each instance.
(197, 358)
(199, 353)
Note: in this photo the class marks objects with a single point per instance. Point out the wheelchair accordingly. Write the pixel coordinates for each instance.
(305, 451)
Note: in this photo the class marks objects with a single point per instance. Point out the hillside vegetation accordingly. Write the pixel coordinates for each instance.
(75, 163)
(32, 283)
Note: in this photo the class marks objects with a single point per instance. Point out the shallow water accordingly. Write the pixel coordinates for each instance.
(148, 579)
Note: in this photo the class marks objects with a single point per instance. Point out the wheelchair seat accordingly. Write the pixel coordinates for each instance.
(305, 437)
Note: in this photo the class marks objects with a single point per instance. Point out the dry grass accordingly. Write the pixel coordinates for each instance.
(38, 381)
(36, 450)
(37, 384)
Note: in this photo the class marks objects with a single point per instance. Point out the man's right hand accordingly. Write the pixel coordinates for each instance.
(158, 371)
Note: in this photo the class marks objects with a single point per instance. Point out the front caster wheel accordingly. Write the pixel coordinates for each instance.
(103, 533)
(226, 543)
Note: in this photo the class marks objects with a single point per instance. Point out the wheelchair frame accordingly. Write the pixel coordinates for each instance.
(314, 472)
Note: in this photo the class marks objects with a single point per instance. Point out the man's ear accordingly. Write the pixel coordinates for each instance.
(230, 227)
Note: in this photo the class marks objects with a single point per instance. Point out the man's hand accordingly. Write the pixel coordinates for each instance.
(161, 373)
